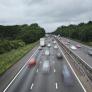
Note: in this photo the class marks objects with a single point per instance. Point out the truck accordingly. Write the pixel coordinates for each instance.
(42, 42)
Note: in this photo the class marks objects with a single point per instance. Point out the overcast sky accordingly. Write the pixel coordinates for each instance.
(48, 13)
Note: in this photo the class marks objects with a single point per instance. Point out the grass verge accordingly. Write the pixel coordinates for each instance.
(10, 58)
(85, 43)
(88, 43)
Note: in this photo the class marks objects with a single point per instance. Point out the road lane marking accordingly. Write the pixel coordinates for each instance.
(20, 71)
(54, 70)
(72, 69)
(56, 85)
(32, 86)
(37, 71)
(80, 58)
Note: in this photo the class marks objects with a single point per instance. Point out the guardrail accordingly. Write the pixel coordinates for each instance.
(85, 66)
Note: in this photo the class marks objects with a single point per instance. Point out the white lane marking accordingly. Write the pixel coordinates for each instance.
(54, 70)
(80, 58)
(37, 71)
(72, 70)
(32, 86)
(56, 85)
(20, 71)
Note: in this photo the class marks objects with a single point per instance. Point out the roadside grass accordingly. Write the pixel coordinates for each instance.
(88, 43)
(85, 43)
(10, 58)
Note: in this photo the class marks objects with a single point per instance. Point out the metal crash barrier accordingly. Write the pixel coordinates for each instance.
(82, 64)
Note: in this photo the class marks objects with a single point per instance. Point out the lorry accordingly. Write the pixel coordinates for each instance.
(42, 42)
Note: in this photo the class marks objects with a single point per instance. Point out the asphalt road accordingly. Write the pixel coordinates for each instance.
(81, 52)
(34, 80)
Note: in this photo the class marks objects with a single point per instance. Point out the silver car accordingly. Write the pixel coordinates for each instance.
(67, 77)
(90, 53)
(55, 46)
(47, 53)
(46, 67)
(73, 47)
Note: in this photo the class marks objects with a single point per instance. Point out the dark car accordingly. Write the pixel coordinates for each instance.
(59, 56)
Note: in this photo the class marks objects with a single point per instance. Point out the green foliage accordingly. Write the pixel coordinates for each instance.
(82, 31)
(32, 33)
(9, 32)
(27, 33)
(6, 45)
(10, 58)
(13, 37)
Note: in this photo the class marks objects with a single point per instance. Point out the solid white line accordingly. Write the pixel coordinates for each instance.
(79, 57)
(72, 70)
(56, 85)
(32, 86)
(54, 70)
(20, 71)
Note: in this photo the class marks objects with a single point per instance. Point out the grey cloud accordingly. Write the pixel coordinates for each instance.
(48, 13)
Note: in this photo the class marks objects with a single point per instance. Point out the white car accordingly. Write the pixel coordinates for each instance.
(55, 46)
(40, 48)
(54, 41)
(73, 47)
(49, 45)
(47, 52)
(46, 66)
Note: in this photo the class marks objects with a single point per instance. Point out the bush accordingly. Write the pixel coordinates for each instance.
(6, 45)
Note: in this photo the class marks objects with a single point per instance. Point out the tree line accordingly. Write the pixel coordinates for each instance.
(82, 31)
(15, 36)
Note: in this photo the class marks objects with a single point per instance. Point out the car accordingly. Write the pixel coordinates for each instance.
(90, 52)
(73, 47)
(46, 67)
(32, 62)
(40, 48)
(54, 41)
(68, 41)
(55, 46)
(66, 76)
(47, 52)
(78, 46)
(59, 56)
(49, 45)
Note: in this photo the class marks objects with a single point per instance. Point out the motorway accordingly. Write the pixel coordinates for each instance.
(81, 52)
(34, 80)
